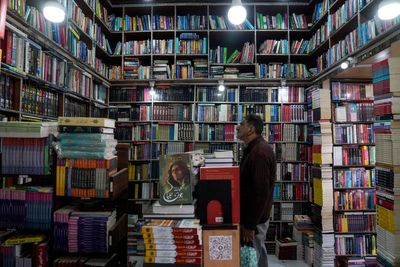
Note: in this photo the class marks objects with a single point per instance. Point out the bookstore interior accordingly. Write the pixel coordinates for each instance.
(155, 90)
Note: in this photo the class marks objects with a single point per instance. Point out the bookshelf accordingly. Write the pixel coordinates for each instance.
(47, 75)
(189, 116)
(353, 170)
(283, 41)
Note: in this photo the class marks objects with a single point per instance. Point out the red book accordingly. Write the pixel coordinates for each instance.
(226, 173)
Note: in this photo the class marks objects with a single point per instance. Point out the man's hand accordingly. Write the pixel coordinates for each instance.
(247, 235)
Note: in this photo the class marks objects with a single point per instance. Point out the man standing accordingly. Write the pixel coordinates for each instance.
(257, 176)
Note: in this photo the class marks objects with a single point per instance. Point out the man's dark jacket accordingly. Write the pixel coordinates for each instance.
(257, 176)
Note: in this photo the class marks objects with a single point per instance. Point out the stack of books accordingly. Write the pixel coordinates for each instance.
(82, 231)
(24, 250)
(219, 159)
(303, 233)
(173, 242)
(387, 135)
(320, 132)
(135, 243)
(25, 147)
(86, 157)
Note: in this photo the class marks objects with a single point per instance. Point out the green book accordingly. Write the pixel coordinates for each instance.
(232, 56)
(225, 55)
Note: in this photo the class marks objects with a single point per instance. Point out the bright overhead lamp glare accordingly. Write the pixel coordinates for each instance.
(221, 86)
(389, 9)
(346, 64)
(54, 11)
(237, 13)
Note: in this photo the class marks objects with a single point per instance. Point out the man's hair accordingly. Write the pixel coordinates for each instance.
(256, 122)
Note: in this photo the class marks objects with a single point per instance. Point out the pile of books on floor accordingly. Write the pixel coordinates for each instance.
(173, 241)
(321, 174)
(386, 81)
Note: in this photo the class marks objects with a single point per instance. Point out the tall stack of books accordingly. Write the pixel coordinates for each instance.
(173, 242)
(86, 157)
(86, 161)
(320, 157)
(387, 137)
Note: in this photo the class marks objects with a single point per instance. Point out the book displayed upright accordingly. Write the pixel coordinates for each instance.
(175, 179)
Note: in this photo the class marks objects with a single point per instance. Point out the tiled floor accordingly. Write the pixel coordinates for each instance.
(274, 262)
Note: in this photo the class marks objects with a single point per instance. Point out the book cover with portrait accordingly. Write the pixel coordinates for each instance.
(175, 179)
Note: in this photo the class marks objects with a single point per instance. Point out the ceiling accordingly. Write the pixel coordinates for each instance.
(122, 2)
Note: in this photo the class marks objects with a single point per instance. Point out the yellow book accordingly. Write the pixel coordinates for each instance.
(86, 121)
(62, 181)
(18, 240)
(58, 178)
(318, 191)
(345, 225)
(136, 193)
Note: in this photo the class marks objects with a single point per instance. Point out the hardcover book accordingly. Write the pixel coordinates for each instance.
(175, 179)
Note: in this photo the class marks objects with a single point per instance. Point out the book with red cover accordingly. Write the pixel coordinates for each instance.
(226, 173)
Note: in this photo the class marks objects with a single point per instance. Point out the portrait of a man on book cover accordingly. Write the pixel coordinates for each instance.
(175, 179)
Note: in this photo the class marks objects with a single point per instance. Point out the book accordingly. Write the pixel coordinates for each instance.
(85, 129)
(27, 129)
(175, 179)
(86, 121)
(225, 173)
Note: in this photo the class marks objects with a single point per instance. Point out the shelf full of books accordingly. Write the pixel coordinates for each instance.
(41, 84)
(387, 161)
(353, 171)
(116, 42)
(75, 39)
(179, 118)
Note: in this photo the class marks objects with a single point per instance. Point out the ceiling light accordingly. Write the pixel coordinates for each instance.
(237, 13)
(221, 86)
(346, 64)
(389, 9)
(54, 11)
